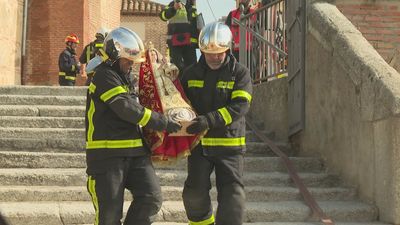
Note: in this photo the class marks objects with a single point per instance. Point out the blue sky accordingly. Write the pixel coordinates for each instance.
(219, 7)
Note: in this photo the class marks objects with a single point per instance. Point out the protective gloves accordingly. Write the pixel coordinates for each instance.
(199, 125)
(173, 126)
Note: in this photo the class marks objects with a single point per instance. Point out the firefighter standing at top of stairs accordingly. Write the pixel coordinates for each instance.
(116, 155)
(68, 63)
(220, 90)
(182, 32)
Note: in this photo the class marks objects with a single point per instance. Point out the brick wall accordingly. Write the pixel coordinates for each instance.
(48, 24)
(51, 21)
(378, 21)
(151, 28)
(11, 15)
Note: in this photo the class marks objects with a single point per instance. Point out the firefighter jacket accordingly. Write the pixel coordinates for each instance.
(182, 25)
(68, 66)
(235, 27)
(90, 51)
(113, 116)
(224, 97)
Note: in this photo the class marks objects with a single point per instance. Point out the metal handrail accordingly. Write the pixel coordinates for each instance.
(265, 53)
(308, 198)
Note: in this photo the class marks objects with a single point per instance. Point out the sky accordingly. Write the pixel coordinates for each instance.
(219, 7)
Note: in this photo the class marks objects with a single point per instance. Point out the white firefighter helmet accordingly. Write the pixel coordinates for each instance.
(124, 43)
(102, 32)
(215, 37)
(119, 43)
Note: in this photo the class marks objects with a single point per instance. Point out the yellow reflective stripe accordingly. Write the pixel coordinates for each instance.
(225, 115)
(104, 55)
(223, 141)
(195, 83)
(70, 78)
(194, 14)
(73, 68)
(61, 73)
(114, 144)
(92, 88)
(281, 75)
(204, 222)
(146, 117)
(91, 185)
(163, 17)
(225, 84)
(112, 92)
(99, 45)
(90, 114)
(193, 40)
(241, 93)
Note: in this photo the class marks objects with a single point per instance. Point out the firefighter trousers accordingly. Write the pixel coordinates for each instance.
(183, 56)
(64, 82)
(231, 196)
(107, 191)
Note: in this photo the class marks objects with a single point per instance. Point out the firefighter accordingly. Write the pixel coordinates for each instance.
(243, 7)
(220, 90)
(116, 155)
(68, 63)
(90, 50)
(182, 32)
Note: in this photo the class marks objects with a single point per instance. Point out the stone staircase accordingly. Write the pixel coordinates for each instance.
(43, 180)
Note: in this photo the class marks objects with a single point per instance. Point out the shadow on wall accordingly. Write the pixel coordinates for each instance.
(3, 221)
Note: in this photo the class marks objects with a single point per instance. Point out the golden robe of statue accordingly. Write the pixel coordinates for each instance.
(160, 91)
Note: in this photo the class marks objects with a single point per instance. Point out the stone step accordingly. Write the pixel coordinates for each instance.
(50, 127)
(43, 90)
(40, 133)
(278, 223)
(60, 213)
(78, 145)
(170, 193)
(36, 120)
(41, 122)
(42, 100)
(42, 110)
(77, 177)
(9, 159)
(42, 145)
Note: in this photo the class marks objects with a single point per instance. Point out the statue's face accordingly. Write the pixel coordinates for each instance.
(153, 56)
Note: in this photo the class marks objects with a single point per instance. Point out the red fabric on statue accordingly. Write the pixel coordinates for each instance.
(164, 147)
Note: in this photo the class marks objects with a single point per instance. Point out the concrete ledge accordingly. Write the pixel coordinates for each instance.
(352, 109)
(33, 213)
(43, 90)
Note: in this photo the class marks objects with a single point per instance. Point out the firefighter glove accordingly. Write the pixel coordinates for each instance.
(173, 126)
(199, 125)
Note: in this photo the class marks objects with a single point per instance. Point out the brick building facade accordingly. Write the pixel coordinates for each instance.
(143, 18)
(49, 22)
(378, 21)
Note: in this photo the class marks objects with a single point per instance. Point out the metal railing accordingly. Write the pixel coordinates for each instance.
(265, 51)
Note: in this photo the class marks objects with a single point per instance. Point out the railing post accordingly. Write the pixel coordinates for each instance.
(242, 43)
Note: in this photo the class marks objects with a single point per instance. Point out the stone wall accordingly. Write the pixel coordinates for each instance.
(11, 22)
(269, 107)
(352, 109)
